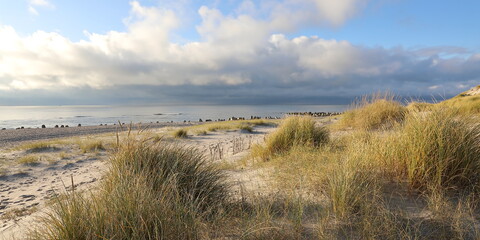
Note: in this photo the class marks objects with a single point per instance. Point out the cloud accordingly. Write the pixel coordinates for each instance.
(240, 58)
(34, 4)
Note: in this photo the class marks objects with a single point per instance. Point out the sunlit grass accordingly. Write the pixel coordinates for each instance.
(464, 104)
(232, 125)
(91, 145)
(372, 112)
(150, 192)
(29, 160)
(402, 173)
(35, 147)
(294, 131)
(180, 133)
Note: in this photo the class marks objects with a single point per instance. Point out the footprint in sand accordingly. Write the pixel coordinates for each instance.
(28, 197)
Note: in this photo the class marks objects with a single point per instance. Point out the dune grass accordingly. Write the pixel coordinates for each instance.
(294, 131)
(36, 147)
(150, 192)
(91, 145)
(246, 128)
(180, 133)
(365, 178)
(438, 149)
(420, 106)
(372, 112)
(464, 104)
(201, 132)
(246, 125)
(29, 160)
(411, 175)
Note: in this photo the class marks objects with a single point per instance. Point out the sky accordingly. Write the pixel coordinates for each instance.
(55, 52)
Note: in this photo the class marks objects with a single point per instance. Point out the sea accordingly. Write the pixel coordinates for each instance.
(92, 115)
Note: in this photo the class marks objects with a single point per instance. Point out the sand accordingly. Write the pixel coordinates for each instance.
(14, 136)
(26, 189)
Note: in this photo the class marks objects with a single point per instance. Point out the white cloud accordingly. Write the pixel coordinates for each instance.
(235, 51)
(34, 4)
(338, 11)
(32, 10)
(40, 3)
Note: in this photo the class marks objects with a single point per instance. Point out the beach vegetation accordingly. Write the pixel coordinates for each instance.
(372, 112)
(293, 131)
(149, 192)
(246, 128)
(3, 171)
(29, 160)
(404, 173)
(232, 125)
(420, 106)
(36, 147)
(363, 180)
(64, 155)
(465, 104)
(91, 145)
(437, 150)
(201, 132)
(15, 213)
(180, 133)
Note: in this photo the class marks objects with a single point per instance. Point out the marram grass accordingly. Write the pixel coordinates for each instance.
(374, 112)
(158, 191)
(293, 131)
(440, 149)
(180, 133)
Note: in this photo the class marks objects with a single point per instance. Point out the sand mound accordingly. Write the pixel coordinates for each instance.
(472, 92)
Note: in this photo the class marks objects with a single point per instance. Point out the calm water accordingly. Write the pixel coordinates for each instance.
(35, 116)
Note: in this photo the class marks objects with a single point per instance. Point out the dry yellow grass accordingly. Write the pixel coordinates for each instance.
(464, 104)
(374, 112)
(29, 160)
(180, 133)
(403, 174)
(247, 125)
(91, 145)
(293, 131)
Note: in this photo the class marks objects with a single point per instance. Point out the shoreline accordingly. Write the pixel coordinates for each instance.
(11, 136)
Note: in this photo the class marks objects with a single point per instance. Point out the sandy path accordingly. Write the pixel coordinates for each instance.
(25, 191)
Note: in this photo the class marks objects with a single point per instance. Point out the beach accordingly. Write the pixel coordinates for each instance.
(63, 161)
(15, 136)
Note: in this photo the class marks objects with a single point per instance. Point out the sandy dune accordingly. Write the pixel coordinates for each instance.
(25, 189)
